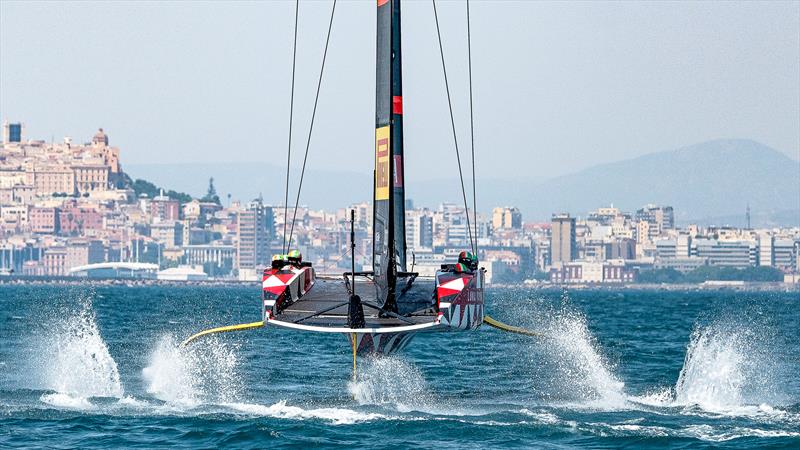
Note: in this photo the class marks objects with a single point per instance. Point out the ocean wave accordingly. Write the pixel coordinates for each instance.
(337, 416)
(62, 400)
(710, 433)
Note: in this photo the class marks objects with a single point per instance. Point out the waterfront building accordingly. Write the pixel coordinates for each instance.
(44, 220)
(785, 252)
(74, 220)
(90, 177)
(216, 260)
(54, 262)
(164, 208)
(14, 218)
(80, 252)
(660, 218)
(419, 229)
(766, 253)
(100, 138)
(562, 239)
(168, 233)
(506, 217)
(53, 179)
(666, 248)
(681, 264)
(613, 271)
(597, 250)
(739, 254)
(623, 248)
(253, 235)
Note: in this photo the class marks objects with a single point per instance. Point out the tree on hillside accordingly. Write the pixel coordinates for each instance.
(151, 190)
(211, 195)
(144, 187)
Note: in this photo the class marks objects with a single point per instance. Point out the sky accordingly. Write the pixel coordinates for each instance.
(558, 86)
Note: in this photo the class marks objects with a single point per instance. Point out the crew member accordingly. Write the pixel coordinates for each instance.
(295, 258)
(469, 260)
(279, 260)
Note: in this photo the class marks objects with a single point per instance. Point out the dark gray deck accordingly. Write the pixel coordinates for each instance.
(329, 292)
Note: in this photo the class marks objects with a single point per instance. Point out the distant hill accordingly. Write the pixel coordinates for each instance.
(708, 182)
(715, 178)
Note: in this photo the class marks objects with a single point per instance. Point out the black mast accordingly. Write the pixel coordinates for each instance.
(389, 240)
(398, 186)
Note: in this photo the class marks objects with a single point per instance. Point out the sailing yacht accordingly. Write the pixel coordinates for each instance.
(379, 310)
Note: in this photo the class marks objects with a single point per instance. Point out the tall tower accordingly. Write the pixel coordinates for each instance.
(253, 232)
(562, 239)
(12, 132)
(747, 216)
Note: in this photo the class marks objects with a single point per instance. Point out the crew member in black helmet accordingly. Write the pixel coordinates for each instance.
(469, 260)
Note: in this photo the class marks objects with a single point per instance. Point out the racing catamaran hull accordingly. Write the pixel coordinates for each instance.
(294, 298)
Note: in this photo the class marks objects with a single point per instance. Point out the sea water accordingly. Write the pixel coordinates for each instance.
(101, 367)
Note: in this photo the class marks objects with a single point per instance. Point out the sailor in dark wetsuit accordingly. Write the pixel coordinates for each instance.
(279, 261)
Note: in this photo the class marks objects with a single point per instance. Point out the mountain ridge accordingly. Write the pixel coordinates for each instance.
(716, 178)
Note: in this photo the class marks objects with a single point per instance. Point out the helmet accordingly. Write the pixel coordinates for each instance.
(278, 261)
(468, 259)
(295, 256)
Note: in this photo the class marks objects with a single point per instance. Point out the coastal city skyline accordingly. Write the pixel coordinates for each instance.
(68, 205)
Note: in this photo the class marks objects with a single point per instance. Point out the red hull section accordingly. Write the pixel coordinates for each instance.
(284, 286)
(460, 298)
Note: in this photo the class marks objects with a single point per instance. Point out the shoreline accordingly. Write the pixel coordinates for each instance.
(131, 282)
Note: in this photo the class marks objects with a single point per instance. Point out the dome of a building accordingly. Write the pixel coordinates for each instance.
(100, 137)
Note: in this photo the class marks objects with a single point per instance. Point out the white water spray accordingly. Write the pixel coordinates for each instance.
(568, 365)
(713, 374)
(729, 369)
(337, 416)
(189, 376)
(407, 390)
(76, 362)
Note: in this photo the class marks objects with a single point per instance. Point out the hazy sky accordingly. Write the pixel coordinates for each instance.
(558, 86)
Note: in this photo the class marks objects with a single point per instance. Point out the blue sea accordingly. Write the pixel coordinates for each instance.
(99, 367)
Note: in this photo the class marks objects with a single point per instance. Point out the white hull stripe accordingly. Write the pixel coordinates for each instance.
(378, 330)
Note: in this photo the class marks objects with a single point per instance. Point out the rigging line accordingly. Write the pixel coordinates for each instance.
(332, 265)
(472, 135)
(311, 128)
(453, 124)
(291, 116)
